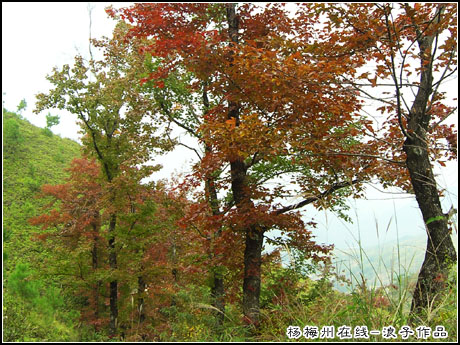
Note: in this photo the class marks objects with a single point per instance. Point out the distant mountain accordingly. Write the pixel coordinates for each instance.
(383, 264)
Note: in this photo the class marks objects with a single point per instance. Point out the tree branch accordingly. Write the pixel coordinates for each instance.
(332, 189)
(171, 118)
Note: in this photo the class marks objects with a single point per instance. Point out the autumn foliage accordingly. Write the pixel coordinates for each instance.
(276, 105)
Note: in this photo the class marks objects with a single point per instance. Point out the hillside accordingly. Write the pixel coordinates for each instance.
(32, 157)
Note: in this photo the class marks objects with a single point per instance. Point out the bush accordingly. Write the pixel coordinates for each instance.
(33, 312)
(12, 137)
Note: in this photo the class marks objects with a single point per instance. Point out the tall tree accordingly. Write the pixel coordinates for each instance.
(409, 47)
(114, 114)
(277, 111)
(71, 225)
(181, 107)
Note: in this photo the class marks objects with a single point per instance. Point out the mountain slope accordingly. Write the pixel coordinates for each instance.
(32, 157)
(34, 308)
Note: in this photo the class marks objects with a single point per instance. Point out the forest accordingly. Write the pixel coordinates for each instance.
(280, 109)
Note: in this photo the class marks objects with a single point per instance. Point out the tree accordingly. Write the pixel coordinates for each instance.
(12, 136)
(114, 113)
(409, 47)
(51, 120)
(75, 225)
(179, 107)
(72, 226)
(262, 122)
(22, 106)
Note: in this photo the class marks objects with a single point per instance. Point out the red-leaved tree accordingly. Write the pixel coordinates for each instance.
(410, 52)
(275, 107)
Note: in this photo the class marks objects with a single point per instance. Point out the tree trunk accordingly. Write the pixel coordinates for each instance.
(244, 204)
(253, 244)
(218, 287)
(140, 298)
(252, 273)
(113, 283)
(218, 295)
(95, 265)
(440, 252)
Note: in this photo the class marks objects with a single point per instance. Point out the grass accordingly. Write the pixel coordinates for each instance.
(376, 305)
(318, 304)
(380, 305)
(375, 308)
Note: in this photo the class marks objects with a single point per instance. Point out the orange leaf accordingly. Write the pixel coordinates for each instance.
(231, 122)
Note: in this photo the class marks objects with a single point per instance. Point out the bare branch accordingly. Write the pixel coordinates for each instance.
(357, 155)
(192, 149)
(332, 189)
(90, 9)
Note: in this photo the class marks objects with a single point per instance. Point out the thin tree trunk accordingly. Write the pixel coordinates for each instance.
(140, 298)
(218, 295)
(113, 283)
(174, 271)
(218, 287)
(95, 265)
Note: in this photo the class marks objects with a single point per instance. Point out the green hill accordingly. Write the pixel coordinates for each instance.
(32, 157)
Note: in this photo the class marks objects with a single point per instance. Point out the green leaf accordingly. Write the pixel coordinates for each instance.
(434, 219)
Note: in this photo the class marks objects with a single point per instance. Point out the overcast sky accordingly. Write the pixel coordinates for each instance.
(38, 36)
(35, 38)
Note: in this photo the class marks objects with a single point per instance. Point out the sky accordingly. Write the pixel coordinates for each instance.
(39, 36)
